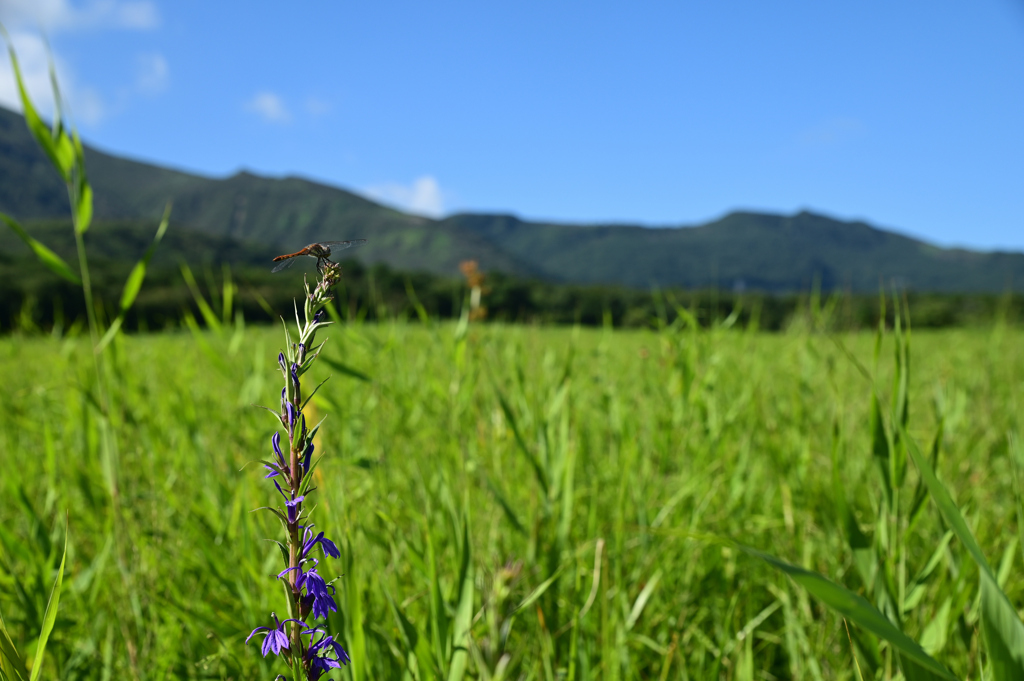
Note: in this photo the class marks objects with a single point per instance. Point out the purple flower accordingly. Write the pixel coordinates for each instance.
(282, 363)
(292, 505)
(307, 456)
(295, 376)
(325, 644)
(329, 548)
(318, 589)
(275, 440)
(318, 316)
(275, 639)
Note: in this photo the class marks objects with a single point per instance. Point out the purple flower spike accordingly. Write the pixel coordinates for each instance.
(292, 505)
(275, 640)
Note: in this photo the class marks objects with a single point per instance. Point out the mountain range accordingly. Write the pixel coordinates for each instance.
(253, 215)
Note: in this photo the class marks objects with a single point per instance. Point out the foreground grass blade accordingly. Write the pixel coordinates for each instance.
(134, 282)
(82, 192)
(211, 319)
(856, 609)
(463, 611)
(12, 667)
(45, 255)
(56, 144)
(1002, 629)
(50, 616)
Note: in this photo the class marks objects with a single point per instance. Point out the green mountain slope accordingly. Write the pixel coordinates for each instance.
(742, 250)
(747, 251)
(284, 213)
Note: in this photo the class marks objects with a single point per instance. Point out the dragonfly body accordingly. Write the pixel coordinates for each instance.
(321, 251)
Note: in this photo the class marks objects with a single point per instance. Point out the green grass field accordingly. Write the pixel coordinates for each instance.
(624, 464)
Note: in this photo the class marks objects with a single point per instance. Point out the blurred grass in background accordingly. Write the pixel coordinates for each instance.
(608, 459)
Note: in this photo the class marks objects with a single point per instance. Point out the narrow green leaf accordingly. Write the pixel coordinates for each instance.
(45, 255)
(1002, 629)
(138, 274)
(58, 157)
(510, 416)
(134, 283)
(345, 369)
(64, 148)
(641, 600)
(11, 664)
(212, 320)
(539, 591)
(505, 506)
(463, 611)
(51, 613)
(110, 333)
(83, 190)
(856, 609)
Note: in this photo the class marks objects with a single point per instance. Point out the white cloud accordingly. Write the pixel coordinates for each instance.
(83, 102)
(25, 19)
(62, 15)
(151, 73)
(423, 196)
(269, 106)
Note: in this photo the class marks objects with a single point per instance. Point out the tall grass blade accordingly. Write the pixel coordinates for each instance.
(510, 416)
(81, 189)
(50, 616)
(345, 369)
(134, 282)
(463, 611)
(55, 144)
(856, 609)
(12, 667)
(641, 600)
(211, 319)
(45, 255)
(539, 591)
(1002, 629)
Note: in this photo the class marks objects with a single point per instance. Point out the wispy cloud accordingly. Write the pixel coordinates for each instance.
(422, 197)
(269, 107)
(62, 15)
(151, 73)
(317, 107)
(832, 132)
(25, 19)
(84, 102)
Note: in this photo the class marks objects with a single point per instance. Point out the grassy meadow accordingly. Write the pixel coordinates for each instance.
(584, 489)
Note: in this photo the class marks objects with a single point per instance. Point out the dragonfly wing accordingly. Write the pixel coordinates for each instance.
(342, 245)
(284, 264)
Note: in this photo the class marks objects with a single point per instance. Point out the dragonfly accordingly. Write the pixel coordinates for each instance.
(321, 250)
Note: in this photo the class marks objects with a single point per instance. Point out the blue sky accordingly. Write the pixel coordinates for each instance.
(909, 115)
